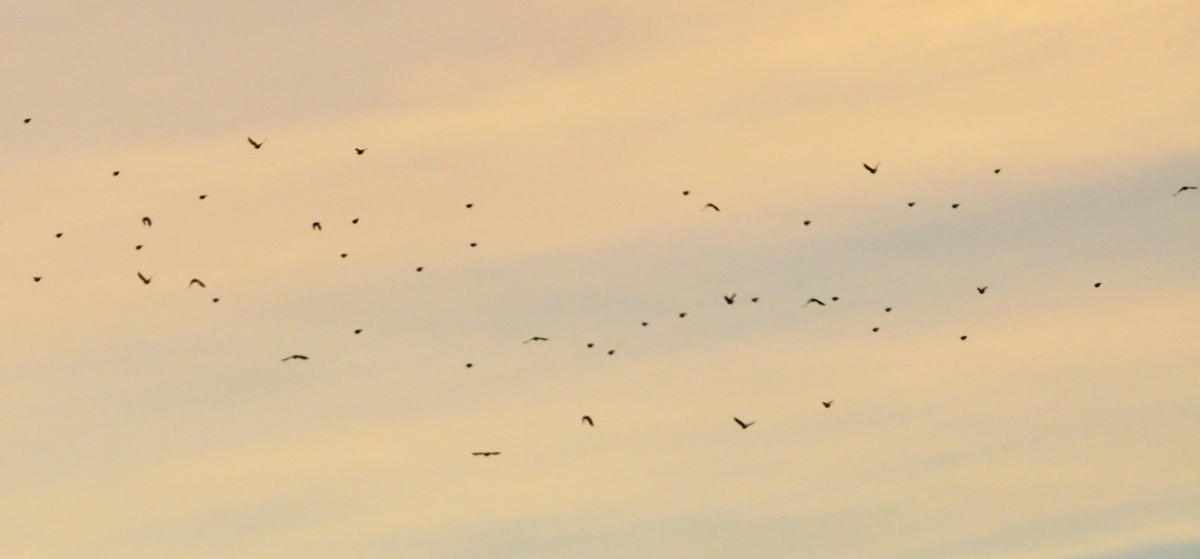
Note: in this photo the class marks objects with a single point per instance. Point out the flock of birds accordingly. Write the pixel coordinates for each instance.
(586, 419)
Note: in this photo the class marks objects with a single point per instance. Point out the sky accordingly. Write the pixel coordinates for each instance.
(146, 420)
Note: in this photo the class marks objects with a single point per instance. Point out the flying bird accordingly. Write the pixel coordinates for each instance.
(807, 222)
(146, 222)
(58, 235)
(296, 356)
(588, 419)
(203, 196)
(834, 298)
(216, 299)
(360, 151)
(345, 254)
(827, 404)
(1183, 189)
(682, 314)
(37, 279)
(139, 247)
(963, 338)
(536, 339)
(27, 120)
(474, 244)
(254, 143)
(485, 454)
(1097, 285)
(470, 205)
(954, 206)
(196, 281)
(887, 309)
(754, 299)
(729, 298)
(814, 300)
(744, 424)
(419, 268)
(612, 351)
(115, 173)
(354, 221)
(875, 329)
(997, 172)
(686, 192)
(911, 204)
(316, 226)
(145, 280)
(711, 205)
(981, 290)
(469, 365)
(871, 169)
(645, 324)
(358, 330)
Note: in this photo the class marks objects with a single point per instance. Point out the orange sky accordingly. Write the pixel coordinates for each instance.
(147, 421)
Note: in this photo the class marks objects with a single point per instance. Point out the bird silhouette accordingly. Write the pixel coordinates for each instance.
(588, 419)
(474, 245)
(360, 151)
(645, 324)
(954, 206)
(827, 404)
(254, 143)
(591, 345)
(419, 268)
(834, 298)
(196, 281)
(115, 173)
(27, 120)
(997, 172)
(358, 330)
(469, 365)
(536, 339)
(203, 196)
(316, 226)
(911, 204)
(470, 205)
(296, 356)
(814, 300)
(871, 169)
(875, 329)
(485, 454)
(1183, 189)
(145, 280)
(729, 298)
(981, 290)
(807, 222)
(754, 299)
(612, 351)
(216, 299)
(711, 205)
(743, 424)
(139, 247)
(37, 279)
(58, 235)
(963, 338)
(682, 314)
(146, 222)
(887, 309)
(354, 221)
(686, 192)
(1097, 284)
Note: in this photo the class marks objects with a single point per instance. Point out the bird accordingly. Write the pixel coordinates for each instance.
(216, 299)
(814, 300)
(887, 309)
(711, 205)
(911, 204)
(612, 351)
(588, 419)
(254, 143)
(729, 298)
(754, 299)
(354, 221)
(58, 235)
(871, 169)
(358, 330)
(875, 329)
(682, 314)
(196, 281)
(139, 247)
(744, 424)
(1096, 285)
(470, 205)
(145, 280)
(834, 298)
(474, 244)
(360, 151)
(485, 454)
(469, 365)
(146, 222)
(203, 196)
(115, 173)
(827, 404)
(981, 290)
(37, 279)
(963, 338)
(419, 268)
(316, 226)
(807, 222)
(686, 192)
(996, 172)
(536, 339)
(27, 120)
(345, 254)
(591, 345)
(954, 206)
(1184, 189)
(645, 324)
(296, 356)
